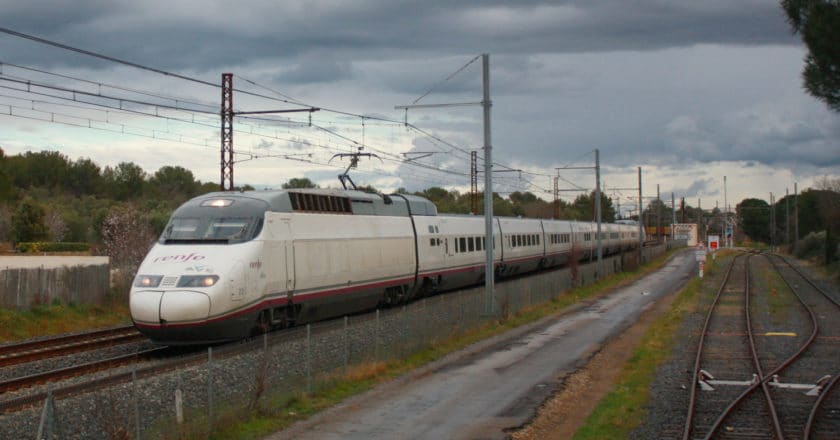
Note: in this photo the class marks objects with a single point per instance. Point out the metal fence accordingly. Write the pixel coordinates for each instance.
(265, 373)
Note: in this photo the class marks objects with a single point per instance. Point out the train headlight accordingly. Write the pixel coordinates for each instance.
(147, 280)
(197, 280)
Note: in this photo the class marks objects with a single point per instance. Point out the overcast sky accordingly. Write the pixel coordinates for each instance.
(690, 91)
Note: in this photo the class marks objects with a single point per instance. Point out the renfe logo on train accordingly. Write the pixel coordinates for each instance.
(183, 258)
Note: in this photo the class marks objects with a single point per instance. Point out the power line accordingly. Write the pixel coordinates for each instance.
(446, 79)
(288, 99)
(212, 107)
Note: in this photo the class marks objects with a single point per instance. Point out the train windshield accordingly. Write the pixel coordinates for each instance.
(209, 222)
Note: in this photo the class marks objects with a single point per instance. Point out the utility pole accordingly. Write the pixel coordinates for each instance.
(795, 217)
(641, 235)
(598, 205)
(227, 115)
(725, 215)
(701, 221)
(772, 223)
(227, 132)
(474, 182)
(485, 103)
(658, 215)
(787, 217)
(673, 215)
(489, 272)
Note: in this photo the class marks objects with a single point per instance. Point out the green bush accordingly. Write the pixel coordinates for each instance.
(811, 246)
(41, 246)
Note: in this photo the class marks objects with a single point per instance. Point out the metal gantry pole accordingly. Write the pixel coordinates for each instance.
(673, 215)
(489, 272)
(598, 205)
(795, 217)
(725, 216)
(787, 217)
(227, 132)
(772, 223)
(658, 215)
(641, 236)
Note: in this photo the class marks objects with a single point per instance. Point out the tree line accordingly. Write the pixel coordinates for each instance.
(119, 210)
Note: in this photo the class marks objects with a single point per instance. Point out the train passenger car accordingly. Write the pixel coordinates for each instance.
(229, 260)
(452, 251)
(523, 245)
(558, 242)
(229, 264)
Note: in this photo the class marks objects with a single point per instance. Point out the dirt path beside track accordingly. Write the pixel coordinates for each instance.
(565, 412)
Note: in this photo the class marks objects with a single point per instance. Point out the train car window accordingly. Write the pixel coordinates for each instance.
(231, 229)
(537, 239)
(431, 229)
(432, 242)
(530, 240)
(463, 241)
(471, 244)
(182, 228)
(479, 243)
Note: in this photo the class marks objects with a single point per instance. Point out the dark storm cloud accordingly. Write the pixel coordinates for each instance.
(197, 36)
(650, 82)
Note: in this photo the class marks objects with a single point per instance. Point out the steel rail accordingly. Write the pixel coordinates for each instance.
(44, 349)
(692, 400)
(762, 380)
(76, 370)
(232, 349)
(774, 416)
(7, 349)
(809, 425)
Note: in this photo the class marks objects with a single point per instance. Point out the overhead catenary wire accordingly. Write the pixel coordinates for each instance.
(285, 99)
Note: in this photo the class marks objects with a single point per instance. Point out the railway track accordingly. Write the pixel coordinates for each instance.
(816, 415)
(766, 392)
(13, 354)
(79, 370)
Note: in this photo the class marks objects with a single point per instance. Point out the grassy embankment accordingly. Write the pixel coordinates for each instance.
(56, 317)
(274, 413)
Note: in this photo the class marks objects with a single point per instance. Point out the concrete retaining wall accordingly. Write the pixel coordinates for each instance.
(28, 280)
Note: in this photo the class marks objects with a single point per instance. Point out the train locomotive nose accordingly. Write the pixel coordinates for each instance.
(155, 307)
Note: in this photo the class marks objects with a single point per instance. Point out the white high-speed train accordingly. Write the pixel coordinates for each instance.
(229, 264)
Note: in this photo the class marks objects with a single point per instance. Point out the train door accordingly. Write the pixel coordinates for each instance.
(289, 251)
(279, 251)
(288, 255)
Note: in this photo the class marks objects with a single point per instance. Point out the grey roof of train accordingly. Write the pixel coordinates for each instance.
(362, 203)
